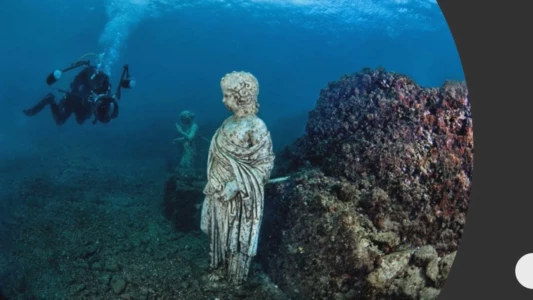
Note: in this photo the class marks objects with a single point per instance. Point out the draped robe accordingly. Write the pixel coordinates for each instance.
(233, 224)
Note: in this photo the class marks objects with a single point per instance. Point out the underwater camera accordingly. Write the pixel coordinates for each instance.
(106, 105)
(105, 108)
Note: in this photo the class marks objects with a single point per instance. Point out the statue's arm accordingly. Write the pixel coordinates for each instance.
(231, 189)
(178, 128)
(256, 133)
(177, 140)
(192, 132)
(260, 134)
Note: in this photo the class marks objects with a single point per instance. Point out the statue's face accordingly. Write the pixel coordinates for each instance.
(186, 120)
(230, 100)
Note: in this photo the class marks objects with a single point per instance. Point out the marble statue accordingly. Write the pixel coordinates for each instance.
(240, 162)
(188, 130)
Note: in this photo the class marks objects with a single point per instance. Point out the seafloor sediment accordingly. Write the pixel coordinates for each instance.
(79, 225)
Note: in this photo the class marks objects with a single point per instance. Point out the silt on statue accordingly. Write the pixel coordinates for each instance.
(240, 162)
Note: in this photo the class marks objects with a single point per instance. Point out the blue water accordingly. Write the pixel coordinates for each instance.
(179, 50)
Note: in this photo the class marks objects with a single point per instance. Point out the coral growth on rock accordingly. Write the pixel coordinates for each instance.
(379, 201)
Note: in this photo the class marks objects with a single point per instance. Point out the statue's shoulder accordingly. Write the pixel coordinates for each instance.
(246, 123)
(243, 130)
(257, 123)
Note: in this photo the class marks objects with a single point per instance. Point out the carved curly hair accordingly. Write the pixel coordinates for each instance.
(245, 87)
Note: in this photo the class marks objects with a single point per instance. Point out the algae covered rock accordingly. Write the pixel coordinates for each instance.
(379, 191)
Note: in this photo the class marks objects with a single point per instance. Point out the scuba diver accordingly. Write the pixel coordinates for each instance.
(89, 95)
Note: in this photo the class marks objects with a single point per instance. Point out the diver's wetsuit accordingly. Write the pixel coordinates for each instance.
(77, 100)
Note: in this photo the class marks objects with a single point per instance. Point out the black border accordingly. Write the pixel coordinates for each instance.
(493, 40)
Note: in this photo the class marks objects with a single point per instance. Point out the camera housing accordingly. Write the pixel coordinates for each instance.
(105, 108)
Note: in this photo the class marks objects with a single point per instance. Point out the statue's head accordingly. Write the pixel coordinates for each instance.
(186, 117)
(240, 90)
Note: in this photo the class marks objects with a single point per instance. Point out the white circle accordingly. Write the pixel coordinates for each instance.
(524, 271)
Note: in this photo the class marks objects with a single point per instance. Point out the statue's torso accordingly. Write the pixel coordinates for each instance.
(243, 132)
(236, 138)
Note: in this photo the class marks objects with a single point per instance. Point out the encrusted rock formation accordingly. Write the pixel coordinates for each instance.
(379, 191)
